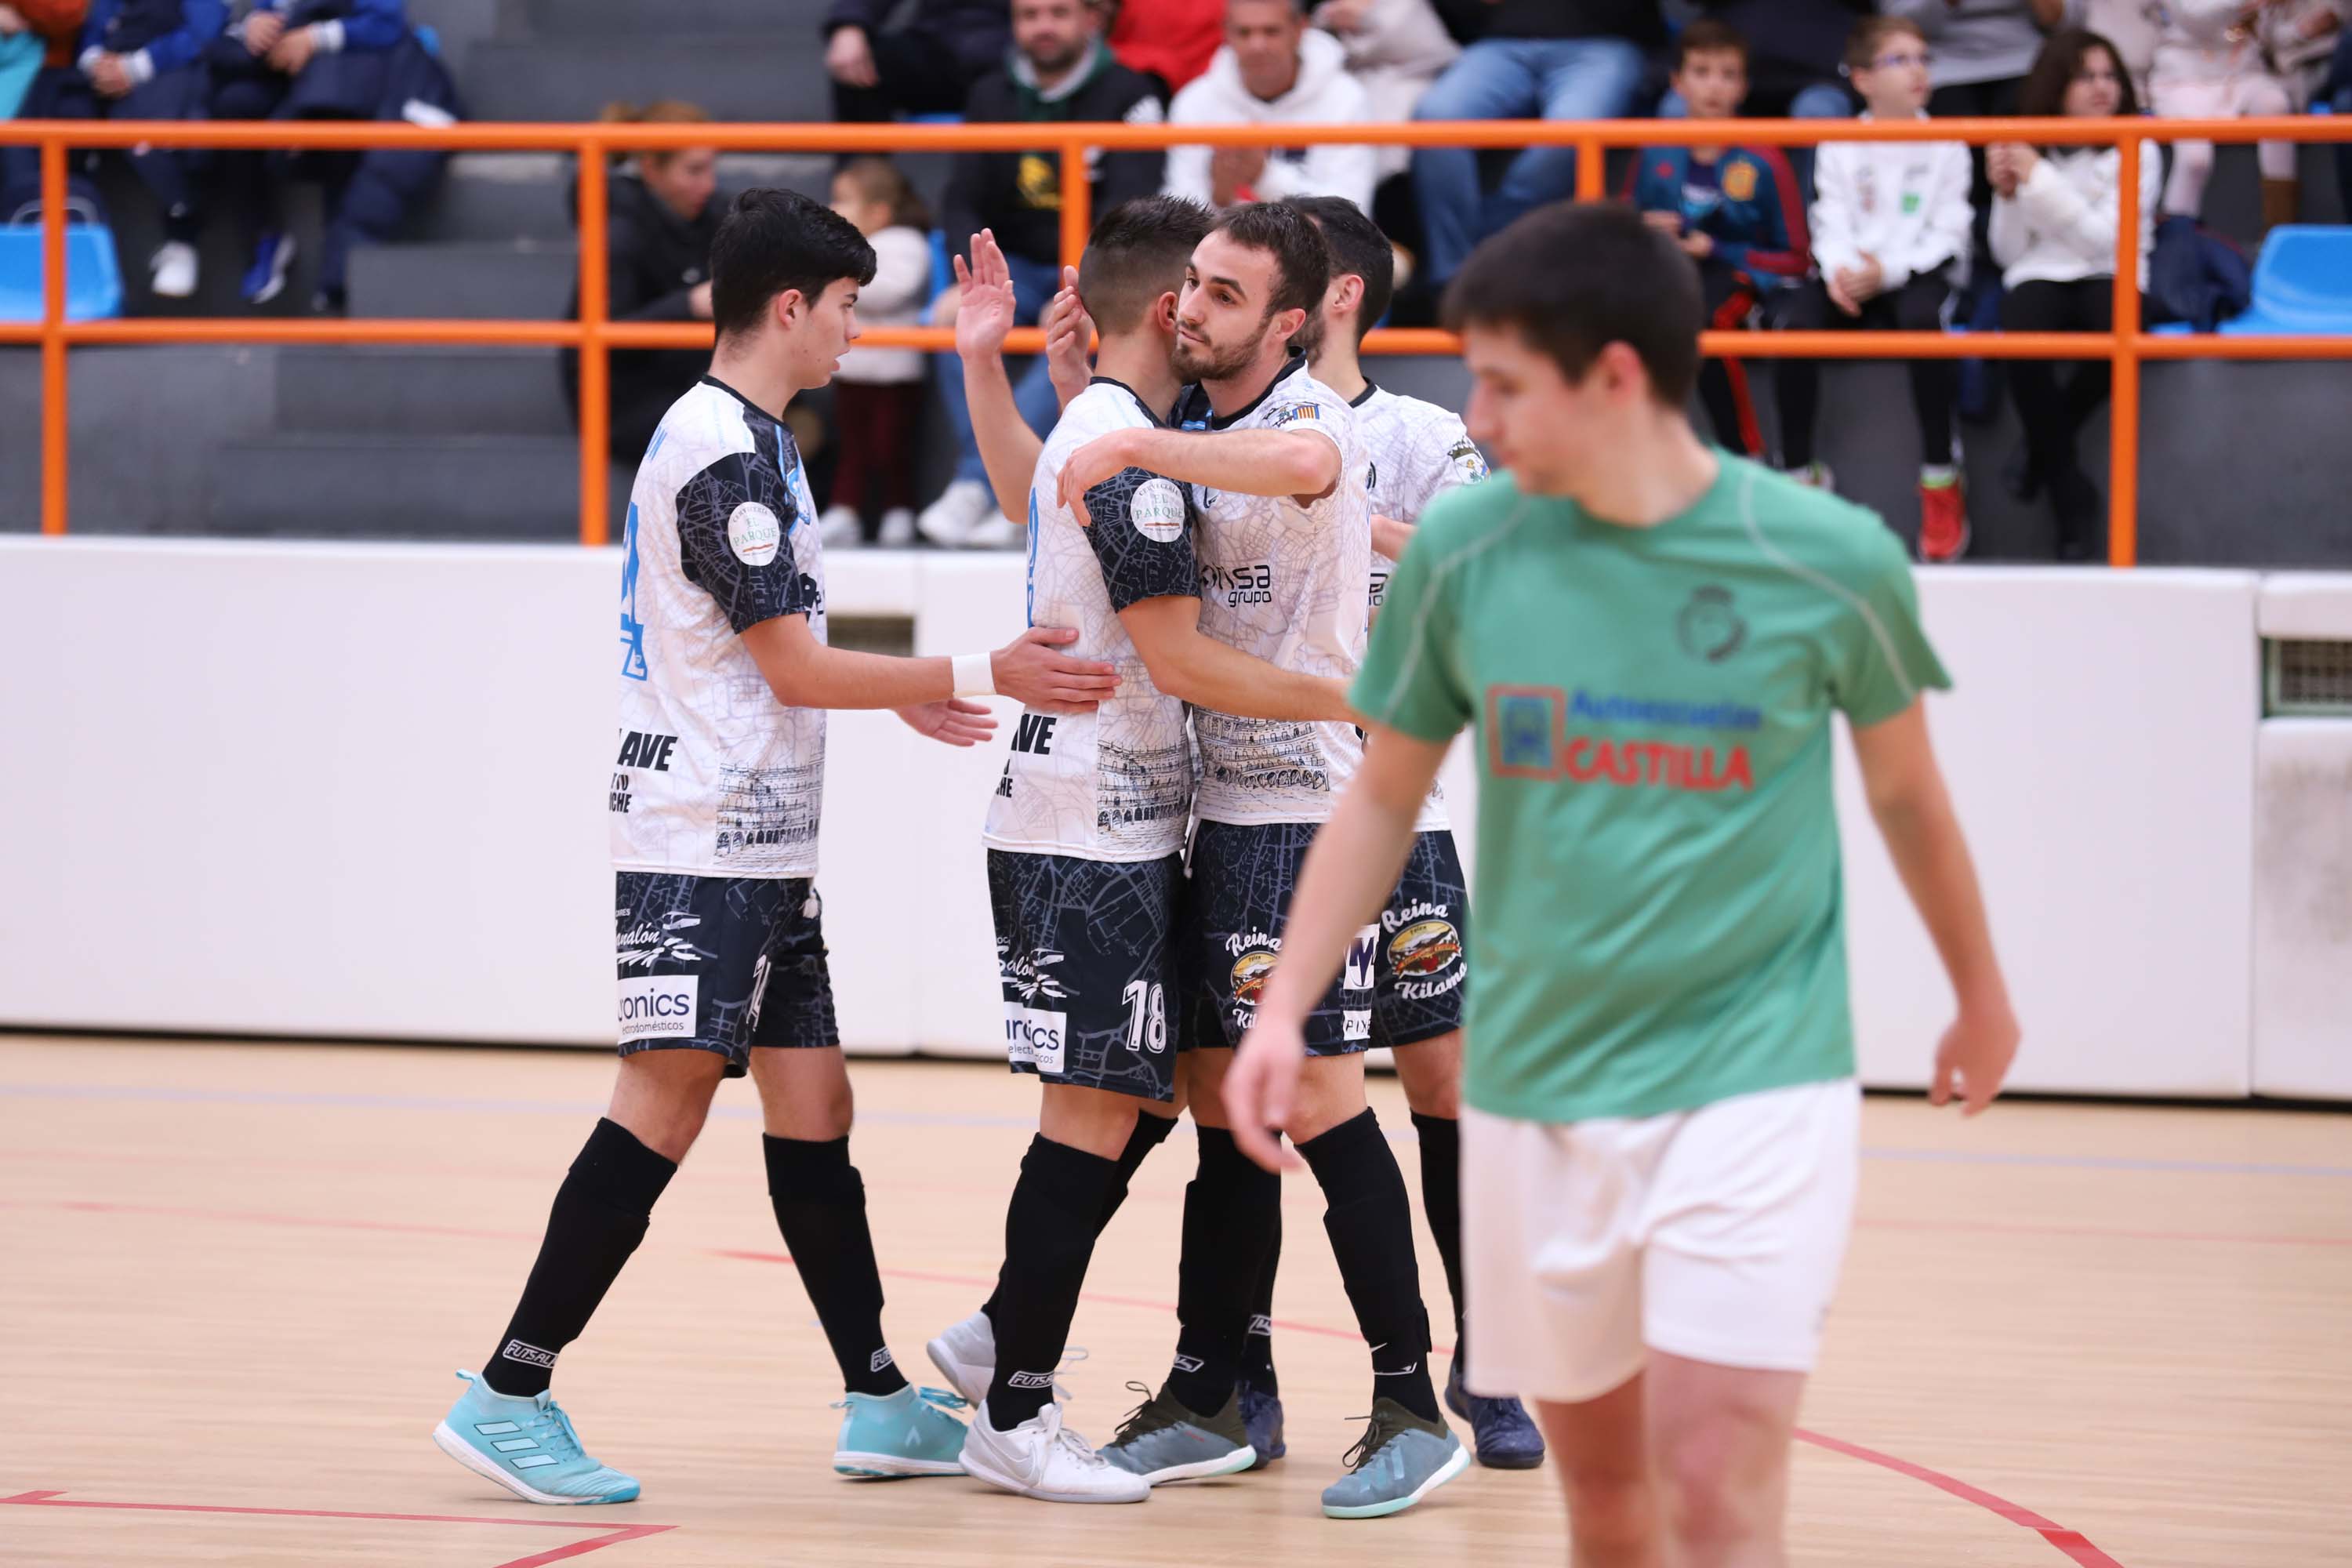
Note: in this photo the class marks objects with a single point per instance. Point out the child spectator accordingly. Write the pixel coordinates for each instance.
(2053, 232)
(1733, 209)
(1891, 234)
(2209, 65)
(878, 392)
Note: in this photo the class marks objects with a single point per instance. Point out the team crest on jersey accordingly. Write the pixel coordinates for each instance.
(1425, 948)
(1465, 455)
(754, 533)
(1739, 181)
(1708, 625)
(1251, 970)
(1157, 510)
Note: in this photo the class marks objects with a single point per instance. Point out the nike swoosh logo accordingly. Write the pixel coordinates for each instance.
(1400, 1371)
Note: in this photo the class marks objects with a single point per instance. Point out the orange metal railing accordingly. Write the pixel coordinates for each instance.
(595, 337)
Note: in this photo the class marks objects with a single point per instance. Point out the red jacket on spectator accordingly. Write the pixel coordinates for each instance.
(57, 23)
(1171, 39)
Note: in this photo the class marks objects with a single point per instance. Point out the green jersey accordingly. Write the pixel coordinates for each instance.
(1660, 914)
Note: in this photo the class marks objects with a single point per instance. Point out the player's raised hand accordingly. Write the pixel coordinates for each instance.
(1069, 340)
(1260, 1087)
(951, 720)
(985, 305)
(1033, 671)
(1974, 1056)
(1088, 466)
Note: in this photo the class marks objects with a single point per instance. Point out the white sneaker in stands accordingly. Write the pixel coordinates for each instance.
(1042, 1459)
(838, 529)
(173, 267)
(996, 531)
(949, 519)
(898, 529)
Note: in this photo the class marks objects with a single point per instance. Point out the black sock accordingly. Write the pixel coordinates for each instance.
(1257, 1349)
(1371, 1224)
(598, 1218)
(1049, 1237)
(819, 1205)
(1151, 1131)
(1230, 1210)
(1440, 1200)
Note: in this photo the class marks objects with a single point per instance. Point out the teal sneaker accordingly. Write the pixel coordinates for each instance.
(1400, 1460)
(909, 1433)
(1163, 1440)
(526, 1446)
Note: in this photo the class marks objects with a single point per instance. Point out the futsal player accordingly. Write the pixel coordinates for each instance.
(1417, 450)
(1085, 837)
(1278, 471)
(1650, 638)
(715, 794)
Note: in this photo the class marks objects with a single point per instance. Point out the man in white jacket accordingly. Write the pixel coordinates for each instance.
(1273, 70)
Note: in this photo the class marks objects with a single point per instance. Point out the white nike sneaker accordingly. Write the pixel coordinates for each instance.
(949, 519)
(898, 529)
(1042, 1459)
(965, 1355)
(173, 267)
(838, 528)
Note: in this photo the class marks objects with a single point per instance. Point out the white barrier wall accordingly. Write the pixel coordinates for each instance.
(328, 790)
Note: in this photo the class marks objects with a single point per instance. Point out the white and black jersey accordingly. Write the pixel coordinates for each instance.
(714, 776)
(1283, 579)
(1419, 451)
(1114, 783)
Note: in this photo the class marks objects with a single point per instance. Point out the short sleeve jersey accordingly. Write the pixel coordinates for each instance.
(714, 776)
(1114, 783)
(1658, 871)
(1283, 579)
(1418, 450)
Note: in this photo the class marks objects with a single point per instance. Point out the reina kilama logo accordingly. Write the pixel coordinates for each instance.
(1708, 628)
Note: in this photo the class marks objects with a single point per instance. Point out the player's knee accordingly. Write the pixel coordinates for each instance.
(1330, 1091)
(664, 1097)
(1093, 1119)
(1610, 1508)
(804, 1094)
(1713, 1494)
(1431, 1071)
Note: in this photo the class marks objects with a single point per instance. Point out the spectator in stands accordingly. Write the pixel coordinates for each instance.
(1891, 225)
(1795, 53)
(877, 394)
(1273, 70)
(659, 220)
(2053, 232)
(139, 60)
(1060, 70)
(1734, 210)
(1396, 49)
(296, 59)
(2336, 93)
(2301, 37)
(35, 34)
(1171, 41)
(2209, 65)
(1981, 49)
(926, 67)
(1559, 60)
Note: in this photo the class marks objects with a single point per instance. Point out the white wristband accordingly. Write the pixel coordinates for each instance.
(975, 675)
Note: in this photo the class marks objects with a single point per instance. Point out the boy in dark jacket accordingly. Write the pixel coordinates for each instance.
(1059, 72)
(926, 67)
(1733, 209)
(139, 60)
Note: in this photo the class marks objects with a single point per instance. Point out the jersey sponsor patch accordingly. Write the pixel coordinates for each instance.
(1363, 955)
(1157, 510)
(1035, 1037)
(659, 1006)
(1739, 181)
(1293, 414)
(754, 533)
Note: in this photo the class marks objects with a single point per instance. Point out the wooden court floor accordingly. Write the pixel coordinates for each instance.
(234, 1280)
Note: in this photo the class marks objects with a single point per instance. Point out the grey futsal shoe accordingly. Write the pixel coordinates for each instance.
(1162, 1441)
(1400, 1460)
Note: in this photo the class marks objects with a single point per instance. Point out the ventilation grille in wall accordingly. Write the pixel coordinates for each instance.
(2306, 678)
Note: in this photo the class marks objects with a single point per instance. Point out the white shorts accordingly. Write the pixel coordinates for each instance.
(1714, 1235)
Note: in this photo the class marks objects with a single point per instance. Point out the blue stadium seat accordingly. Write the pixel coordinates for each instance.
(93, 281)
(2303, 282)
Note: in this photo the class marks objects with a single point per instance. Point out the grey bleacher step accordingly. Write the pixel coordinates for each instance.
(349, 486)
(772, 74)
(524, 280)
(789, 21)
(384, 391)
(509, 197)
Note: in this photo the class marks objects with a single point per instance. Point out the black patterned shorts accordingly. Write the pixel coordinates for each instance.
(722, 963)
(1086, 952)
(1404, 978)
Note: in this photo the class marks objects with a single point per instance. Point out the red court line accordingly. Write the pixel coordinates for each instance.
(613, 1535)
(2069, 1542)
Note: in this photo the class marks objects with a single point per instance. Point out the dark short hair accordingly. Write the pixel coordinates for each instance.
(773, 241)
(1359, 247)
(2057, 65)
(1572, 278)
(1136, 254)
(1870, 35)
(1302, 264)
(1709, 35)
